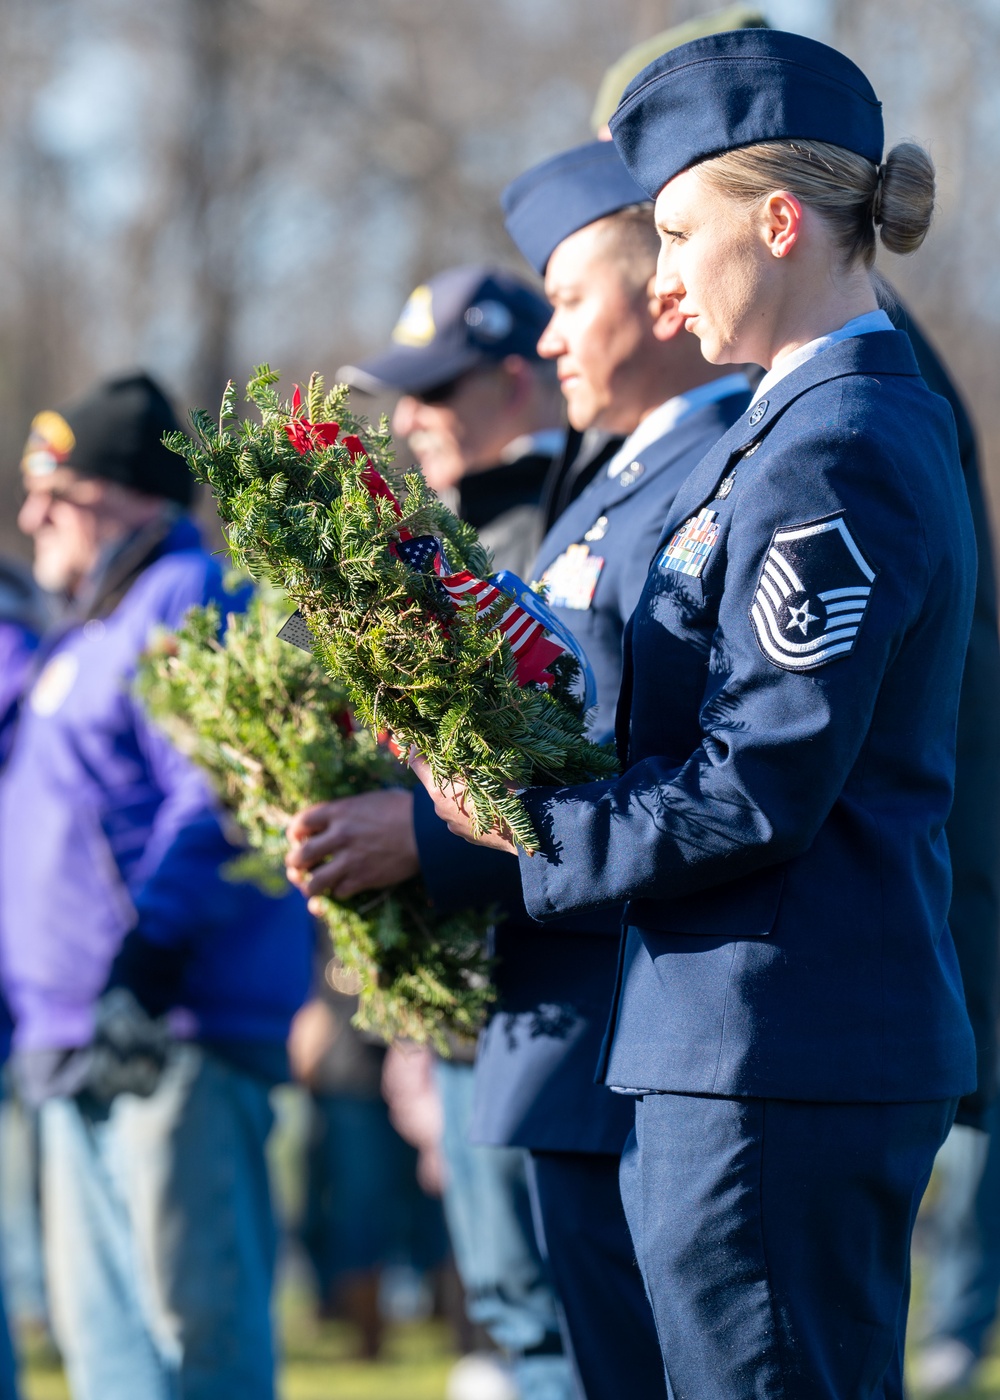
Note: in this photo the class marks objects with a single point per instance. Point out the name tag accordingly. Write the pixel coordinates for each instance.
(572, 578)
(688, 551)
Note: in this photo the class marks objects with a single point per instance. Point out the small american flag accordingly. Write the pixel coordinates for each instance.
(526, 636)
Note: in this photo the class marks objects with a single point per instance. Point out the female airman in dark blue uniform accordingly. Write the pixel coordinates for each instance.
(789, 1013)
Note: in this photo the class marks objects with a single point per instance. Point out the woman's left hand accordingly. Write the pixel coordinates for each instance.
(450, 806)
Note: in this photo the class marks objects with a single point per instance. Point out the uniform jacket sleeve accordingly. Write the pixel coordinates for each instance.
(457, 873)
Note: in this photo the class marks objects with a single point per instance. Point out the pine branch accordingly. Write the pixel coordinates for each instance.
(273, 732)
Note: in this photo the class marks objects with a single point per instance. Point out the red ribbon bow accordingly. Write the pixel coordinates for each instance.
(313, 437)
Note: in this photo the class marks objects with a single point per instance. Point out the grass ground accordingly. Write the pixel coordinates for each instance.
(318, 1366)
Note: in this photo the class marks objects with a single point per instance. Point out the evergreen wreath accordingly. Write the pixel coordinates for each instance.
(274, 733)
(393, 587)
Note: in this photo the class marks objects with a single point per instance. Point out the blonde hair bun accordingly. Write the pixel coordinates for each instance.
(904, 200)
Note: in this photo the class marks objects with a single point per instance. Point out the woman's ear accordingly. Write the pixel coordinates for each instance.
(781, 222)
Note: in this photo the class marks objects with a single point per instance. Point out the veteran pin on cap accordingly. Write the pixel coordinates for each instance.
(564, 194)
(459, 320)
(115, 432)
(736, 89)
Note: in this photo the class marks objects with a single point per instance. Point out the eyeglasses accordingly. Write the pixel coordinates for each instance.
(440, 393)
(69, 494)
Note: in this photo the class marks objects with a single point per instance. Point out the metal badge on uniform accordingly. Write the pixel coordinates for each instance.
(688, 551)
(812, 594)
(572, 578)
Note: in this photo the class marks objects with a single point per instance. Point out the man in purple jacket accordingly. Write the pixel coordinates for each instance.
(21, 620)
(152, 996)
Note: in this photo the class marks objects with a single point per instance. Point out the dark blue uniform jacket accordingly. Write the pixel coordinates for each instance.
(535, 1070)
(974, 824)
(787, 721)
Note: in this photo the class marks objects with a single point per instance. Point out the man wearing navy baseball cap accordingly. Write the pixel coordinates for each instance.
(480, 410)
(626, 367)
(463, 319)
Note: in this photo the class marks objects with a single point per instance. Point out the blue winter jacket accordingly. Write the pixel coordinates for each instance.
(17, 649)
(107, 831)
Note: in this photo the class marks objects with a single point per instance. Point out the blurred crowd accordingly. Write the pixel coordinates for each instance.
(152, 1004)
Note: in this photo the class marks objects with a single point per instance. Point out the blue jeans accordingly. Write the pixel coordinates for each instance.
(364, 1208)
(488, 1210)
(961, 1243)
(21, 1263)
(8, 1195)
(159, 1237)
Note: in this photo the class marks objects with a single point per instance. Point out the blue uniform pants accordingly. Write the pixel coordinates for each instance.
(585, 1238)
(774, 1240)
(159, 1237)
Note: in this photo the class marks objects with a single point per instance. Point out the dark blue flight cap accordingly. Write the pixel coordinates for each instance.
(460, 319)
(566, 193)
(735, 89)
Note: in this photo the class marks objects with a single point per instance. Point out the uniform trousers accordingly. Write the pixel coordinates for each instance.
(159, 1236)
(584, 1235)
(774, 1240)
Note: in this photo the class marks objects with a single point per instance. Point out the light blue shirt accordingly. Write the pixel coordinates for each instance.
(860, 325)
(662, 419)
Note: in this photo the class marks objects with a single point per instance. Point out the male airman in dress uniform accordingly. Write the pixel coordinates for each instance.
(483, 416)
(626, 368)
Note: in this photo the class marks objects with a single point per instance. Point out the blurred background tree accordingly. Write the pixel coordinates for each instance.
(196, 187)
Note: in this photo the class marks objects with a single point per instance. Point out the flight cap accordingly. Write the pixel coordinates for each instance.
(736, 89)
